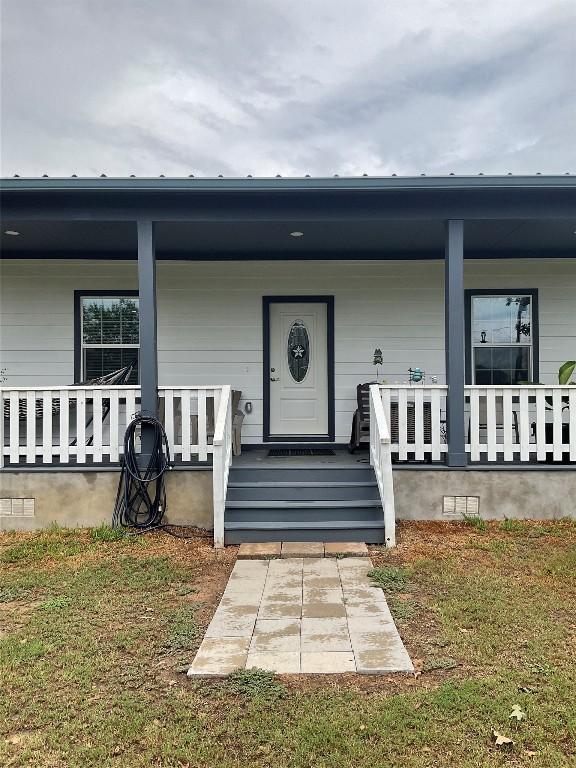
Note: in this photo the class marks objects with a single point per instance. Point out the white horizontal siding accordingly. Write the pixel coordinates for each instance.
(555, 280)
(210, 318)
(37, 314)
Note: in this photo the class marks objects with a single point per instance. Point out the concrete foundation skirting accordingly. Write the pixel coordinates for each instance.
(86, 499)
(522, 494)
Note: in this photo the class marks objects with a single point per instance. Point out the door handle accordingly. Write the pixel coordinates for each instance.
(273, 379)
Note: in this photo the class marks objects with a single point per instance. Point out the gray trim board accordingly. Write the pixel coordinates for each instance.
(297, 200)
(479, 181)
(432, 255)
(543, 467)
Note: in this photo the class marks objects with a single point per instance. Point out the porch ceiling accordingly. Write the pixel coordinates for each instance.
(272, 239)
(385, 217)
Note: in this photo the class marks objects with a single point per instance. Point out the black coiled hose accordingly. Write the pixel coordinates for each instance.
(141, 497)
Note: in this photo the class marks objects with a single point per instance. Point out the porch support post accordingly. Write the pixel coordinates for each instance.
(148, 345)
(455, 341)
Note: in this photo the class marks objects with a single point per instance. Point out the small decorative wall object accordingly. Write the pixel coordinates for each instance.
(378, 359)
(415, 375)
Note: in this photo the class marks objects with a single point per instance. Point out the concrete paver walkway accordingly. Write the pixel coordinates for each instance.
(309, 615)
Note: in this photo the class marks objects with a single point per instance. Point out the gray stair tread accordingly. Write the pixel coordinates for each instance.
(287, 504)
(300, 467)
(303, 524)
(302, 484)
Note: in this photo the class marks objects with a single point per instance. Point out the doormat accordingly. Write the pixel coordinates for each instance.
(277, 453)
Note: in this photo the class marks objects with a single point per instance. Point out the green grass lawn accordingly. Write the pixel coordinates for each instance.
(95, 633)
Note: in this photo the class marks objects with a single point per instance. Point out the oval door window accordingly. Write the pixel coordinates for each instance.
(298, 351)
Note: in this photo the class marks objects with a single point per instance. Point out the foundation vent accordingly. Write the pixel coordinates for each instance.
(17, 508)
(461, 506)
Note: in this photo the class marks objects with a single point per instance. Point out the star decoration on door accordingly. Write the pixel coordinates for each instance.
(298, 351)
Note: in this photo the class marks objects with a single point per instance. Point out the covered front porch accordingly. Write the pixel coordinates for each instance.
(271, 302)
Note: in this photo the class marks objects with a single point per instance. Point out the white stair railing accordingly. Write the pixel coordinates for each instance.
(381, 460)
(222, 459)
(415, 414)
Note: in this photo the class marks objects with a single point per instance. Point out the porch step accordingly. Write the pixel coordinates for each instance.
(301, 474)
(304, 503)
(298, 492)
(351, 530)
(318, 511)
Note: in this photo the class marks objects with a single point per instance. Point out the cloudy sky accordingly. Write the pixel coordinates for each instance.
(287, 86)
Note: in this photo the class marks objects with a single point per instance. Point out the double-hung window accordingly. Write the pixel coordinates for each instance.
(109, 334)
(502, 337)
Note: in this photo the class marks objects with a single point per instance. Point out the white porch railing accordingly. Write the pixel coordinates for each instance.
(416, 415)
(222, 459)
(527, 423)
(81, 425)
(381, 460)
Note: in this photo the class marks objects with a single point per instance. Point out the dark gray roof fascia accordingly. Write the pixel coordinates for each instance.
(362, 183)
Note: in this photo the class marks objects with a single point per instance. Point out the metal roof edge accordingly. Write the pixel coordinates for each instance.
(231, 184)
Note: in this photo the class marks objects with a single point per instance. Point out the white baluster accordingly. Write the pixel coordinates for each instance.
(47, 428)
(572, 421)
(14, 428)
(202, 438)
(541, 424)
(419, 423)
(524, 425)
(30, 427)
(435, 406)
(491, 423)
(474, 425)
(169, 418)
(1, 428)
(64, 427)
(97, 425)
(80, 426)
(114, 425)
(507, 413)
(130, 405)
(186, 453)
(402, 425)
(557, 422)
(385, 393)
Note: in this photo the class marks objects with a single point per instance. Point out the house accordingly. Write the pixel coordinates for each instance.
(283, 290)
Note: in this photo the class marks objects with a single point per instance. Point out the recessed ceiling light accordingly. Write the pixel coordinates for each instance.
(11, 232)
(296, 234)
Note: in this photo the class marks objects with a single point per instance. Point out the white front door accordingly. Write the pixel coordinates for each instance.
(298, 369)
